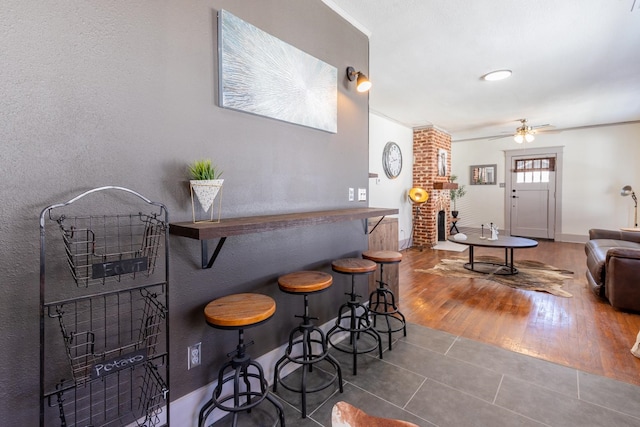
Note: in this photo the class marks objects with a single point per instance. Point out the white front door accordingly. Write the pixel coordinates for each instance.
(532, 195)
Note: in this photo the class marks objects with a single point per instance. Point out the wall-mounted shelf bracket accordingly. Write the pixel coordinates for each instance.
(206, 261)
(374, 227)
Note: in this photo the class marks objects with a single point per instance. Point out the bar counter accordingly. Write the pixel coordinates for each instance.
(226, 227)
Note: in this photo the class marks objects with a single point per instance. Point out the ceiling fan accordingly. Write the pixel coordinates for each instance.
(524, 132)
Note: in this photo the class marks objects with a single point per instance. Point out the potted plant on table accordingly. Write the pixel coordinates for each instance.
(205, 183)
(456, 194)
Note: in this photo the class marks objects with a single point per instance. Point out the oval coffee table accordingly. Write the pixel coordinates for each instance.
(509, 243)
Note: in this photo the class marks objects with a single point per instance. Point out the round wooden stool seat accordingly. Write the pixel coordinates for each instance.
(354, 266)
(239, 310)
(386, 257)
(305, 282)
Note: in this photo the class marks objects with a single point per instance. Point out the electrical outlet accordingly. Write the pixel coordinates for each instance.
(194, 355)
(351, 195)
(362, 194)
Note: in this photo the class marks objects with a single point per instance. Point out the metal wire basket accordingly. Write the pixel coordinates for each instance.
(100, 249)
(135, 397)
(107, 332)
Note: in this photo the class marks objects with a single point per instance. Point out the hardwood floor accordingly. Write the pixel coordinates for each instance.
(582, 332)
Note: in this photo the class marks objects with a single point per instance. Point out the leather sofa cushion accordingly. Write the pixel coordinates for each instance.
(629, 236)
(597, 254)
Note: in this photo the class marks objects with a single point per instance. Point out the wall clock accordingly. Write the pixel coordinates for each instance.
(392, 160)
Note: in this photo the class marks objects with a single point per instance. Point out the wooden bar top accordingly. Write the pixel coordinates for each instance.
(256, 224)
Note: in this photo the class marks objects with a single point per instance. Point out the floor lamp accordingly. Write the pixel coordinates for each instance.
(417, 196)
(626, 191)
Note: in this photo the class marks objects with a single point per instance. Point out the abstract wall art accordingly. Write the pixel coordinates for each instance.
(261, 74)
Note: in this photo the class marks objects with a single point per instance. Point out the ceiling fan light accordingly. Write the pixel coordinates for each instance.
(497, 75)
(524, 133)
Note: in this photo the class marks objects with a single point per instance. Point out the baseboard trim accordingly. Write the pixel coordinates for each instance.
(572, 238)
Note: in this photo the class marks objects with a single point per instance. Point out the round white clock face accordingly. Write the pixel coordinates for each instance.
(392, 160)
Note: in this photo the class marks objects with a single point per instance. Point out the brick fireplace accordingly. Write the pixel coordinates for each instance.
(427, 145)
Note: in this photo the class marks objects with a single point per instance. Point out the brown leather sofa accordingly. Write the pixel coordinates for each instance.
(613, 267)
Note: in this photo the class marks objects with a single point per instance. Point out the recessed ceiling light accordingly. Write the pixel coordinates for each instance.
(497, 75)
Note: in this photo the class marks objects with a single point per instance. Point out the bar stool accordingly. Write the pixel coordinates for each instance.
(382, 302)
(306, 283)
(358, 324)
(237, 312)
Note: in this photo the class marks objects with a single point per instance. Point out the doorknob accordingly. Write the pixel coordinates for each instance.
(515, 197)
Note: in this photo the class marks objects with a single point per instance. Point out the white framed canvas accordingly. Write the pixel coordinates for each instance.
(261, 74)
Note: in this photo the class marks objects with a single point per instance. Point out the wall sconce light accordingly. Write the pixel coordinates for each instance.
(362, 82)
(628, 191)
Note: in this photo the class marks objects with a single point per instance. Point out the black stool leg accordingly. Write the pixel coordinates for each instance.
(240, 363)
(382, 296)
(308, 358)
(357, 325)
(278, 406)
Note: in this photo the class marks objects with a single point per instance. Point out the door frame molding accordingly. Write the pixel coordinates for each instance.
(557, 151)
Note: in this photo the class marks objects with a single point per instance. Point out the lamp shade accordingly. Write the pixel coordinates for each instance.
(363, 83)
(418, 195)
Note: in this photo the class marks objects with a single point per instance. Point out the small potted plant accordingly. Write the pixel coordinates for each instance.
(205, 183)
(456, 194)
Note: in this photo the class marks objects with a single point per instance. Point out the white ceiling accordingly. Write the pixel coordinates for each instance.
(575, 63)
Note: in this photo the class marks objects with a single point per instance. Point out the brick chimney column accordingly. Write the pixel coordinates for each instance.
(426, 145)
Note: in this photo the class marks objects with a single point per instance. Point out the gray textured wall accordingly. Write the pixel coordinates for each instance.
(124, 93)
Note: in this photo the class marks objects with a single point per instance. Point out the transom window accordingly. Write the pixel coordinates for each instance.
(534, 170)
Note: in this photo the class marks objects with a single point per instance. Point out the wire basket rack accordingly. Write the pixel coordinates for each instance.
(104, 248)
(104, 358)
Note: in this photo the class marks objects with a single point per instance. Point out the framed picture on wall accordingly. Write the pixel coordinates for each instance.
(442, 162)
(260, 74)
(483, 174)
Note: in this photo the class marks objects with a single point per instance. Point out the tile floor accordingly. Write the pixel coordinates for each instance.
(433, 378)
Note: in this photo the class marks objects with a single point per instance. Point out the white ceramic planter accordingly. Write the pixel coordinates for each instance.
(206, 191)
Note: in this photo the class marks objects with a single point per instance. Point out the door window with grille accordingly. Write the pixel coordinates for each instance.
(534, 170)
